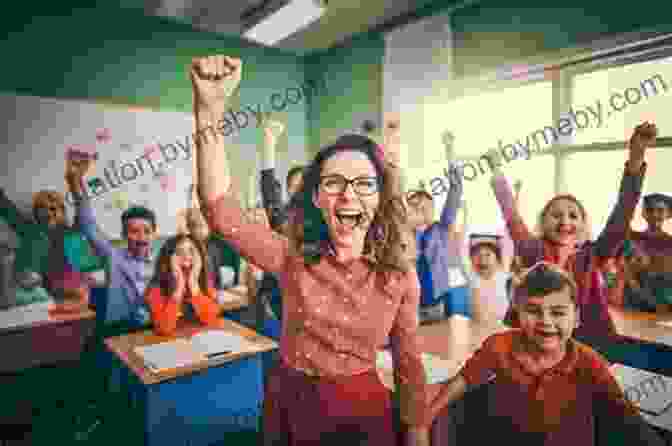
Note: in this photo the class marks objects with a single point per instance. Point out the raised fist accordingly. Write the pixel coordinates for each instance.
(643, 137)
(392, 142)
(214, 79)
(77, 167)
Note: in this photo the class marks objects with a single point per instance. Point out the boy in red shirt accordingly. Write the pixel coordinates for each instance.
(548, 389)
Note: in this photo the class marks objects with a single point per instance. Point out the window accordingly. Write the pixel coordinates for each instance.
(621, 98)
(600, 197)
(490, 121)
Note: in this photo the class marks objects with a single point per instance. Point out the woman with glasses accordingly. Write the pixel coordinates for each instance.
(348, 286)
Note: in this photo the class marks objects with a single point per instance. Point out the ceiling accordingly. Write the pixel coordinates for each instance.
(342, 20)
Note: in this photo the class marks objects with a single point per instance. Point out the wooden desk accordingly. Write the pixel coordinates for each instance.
(55, 338)
(642, 325)
(195, 405)
(52, 339)
(123, 347)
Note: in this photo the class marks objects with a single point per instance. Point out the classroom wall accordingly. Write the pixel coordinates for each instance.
(418, 57)
(353, 74)
(113, 55)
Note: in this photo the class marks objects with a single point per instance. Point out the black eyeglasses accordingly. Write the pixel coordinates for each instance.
(337, 184)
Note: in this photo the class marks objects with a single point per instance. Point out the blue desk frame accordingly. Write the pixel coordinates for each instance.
(194, 410)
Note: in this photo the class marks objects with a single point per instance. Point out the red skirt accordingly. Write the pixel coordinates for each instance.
(300, 410)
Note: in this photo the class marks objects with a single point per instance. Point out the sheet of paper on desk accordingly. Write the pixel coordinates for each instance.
(212, 342)
(650, 392)
(437, 369)
(168, 355)
(25, 314)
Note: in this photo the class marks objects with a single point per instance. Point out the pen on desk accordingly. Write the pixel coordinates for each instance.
(218, 354)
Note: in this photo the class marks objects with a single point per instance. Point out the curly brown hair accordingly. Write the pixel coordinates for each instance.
(45, 198)
(387, 246)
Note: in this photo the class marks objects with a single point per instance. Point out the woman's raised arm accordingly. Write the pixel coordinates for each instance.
(214, 79)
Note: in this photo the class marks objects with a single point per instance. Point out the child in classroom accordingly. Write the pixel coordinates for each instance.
(491, 257)
(564, 239)
(548, 389)
(129, 269)
(181, 287)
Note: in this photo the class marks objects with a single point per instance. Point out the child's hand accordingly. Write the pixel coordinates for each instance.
(76, 168)
(447, 138)
(272, 129)
(392, 142)
(643, 137)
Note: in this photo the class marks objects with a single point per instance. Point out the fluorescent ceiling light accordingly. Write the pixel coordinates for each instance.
(297, 14)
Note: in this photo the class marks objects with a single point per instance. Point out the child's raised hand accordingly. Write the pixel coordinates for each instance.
(76, 167)
(392, 142)
(447, 138)
(272, 128)
(643, 137)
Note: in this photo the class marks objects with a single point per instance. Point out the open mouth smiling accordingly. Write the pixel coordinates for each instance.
(349, 218)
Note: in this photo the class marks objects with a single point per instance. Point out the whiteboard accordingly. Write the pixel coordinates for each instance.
(40, 130)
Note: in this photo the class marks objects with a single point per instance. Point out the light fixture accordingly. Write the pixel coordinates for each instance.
(292, 17)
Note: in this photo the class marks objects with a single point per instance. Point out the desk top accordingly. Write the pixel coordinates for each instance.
(123, 347)
(30, 316)
(642, 325)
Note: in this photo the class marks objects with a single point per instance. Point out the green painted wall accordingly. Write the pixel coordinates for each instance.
(353, 75)
(120, 55)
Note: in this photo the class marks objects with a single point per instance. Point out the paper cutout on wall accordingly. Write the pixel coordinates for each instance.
(103, 135)
(152, 152)
(168, 183)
